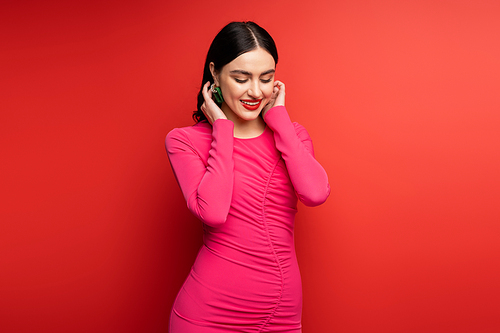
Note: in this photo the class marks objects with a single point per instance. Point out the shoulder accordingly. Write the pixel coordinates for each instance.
(189, 136)
(277, 116)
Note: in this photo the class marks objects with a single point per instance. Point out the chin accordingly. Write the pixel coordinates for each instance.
(250, 115)
(248, 118)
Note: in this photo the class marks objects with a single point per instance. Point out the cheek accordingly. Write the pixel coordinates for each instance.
(232, 91)
(268, 90)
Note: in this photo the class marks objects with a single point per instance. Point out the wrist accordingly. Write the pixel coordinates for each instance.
(273, 109)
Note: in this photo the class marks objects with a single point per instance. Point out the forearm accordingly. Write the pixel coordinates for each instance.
(306, 173)
(207, 187)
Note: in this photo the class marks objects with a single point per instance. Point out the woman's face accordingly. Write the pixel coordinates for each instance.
(247, 84)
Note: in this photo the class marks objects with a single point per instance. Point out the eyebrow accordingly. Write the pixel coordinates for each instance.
(240, 71)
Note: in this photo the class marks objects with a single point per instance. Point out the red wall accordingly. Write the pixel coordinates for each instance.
(402, 101)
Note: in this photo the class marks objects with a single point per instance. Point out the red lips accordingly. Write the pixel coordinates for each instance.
(255, 103)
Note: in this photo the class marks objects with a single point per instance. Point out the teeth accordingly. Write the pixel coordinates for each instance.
(250, 103)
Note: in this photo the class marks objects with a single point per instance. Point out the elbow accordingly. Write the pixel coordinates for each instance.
(316, 198)
(210, 212)
(214, 221)
(214, 218)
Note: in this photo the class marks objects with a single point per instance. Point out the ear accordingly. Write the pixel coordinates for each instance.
(214, 73)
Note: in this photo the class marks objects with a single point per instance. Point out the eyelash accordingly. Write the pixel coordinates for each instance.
(243, 81)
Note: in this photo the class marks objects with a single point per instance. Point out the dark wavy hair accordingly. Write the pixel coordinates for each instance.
(232, 41)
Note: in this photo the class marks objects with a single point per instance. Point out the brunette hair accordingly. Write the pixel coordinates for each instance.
(232, 41)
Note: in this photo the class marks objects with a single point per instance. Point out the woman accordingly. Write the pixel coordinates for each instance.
(241, 168)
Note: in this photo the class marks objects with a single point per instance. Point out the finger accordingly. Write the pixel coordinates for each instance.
(281, 87)
(206, 92)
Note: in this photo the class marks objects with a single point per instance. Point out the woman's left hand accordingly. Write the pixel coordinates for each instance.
(277, 98)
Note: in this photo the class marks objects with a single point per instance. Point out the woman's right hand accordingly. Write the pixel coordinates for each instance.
(211, 110)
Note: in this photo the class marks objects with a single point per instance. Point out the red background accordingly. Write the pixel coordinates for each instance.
(401, 99)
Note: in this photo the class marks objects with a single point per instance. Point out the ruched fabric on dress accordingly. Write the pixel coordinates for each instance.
(245, 277)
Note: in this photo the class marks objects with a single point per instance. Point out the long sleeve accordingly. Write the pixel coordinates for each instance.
(292, 140)
(207, 184)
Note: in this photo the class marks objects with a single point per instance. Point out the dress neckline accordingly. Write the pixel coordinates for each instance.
(255, 137)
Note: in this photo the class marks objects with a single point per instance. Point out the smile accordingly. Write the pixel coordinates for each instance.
(251, 104)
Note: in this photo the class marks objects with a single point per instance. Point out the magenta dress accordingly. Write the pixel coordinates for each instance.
(245, 277)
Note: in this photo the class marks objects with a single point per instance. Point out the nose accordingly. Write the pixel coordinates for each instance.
(254, 91)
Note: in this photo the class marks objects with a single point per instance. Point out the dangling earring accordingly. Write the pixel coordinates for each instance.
(217, 93)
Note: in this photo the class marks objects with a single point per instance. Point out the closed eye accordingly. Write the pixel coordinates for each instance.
(240, 81)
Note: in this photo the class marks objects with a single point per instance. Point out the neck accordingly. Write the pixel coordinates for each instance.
(245, 129)
(249, 129)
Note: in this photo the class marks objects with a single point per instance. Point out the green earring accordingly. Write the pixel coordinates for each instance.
(217, 93)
